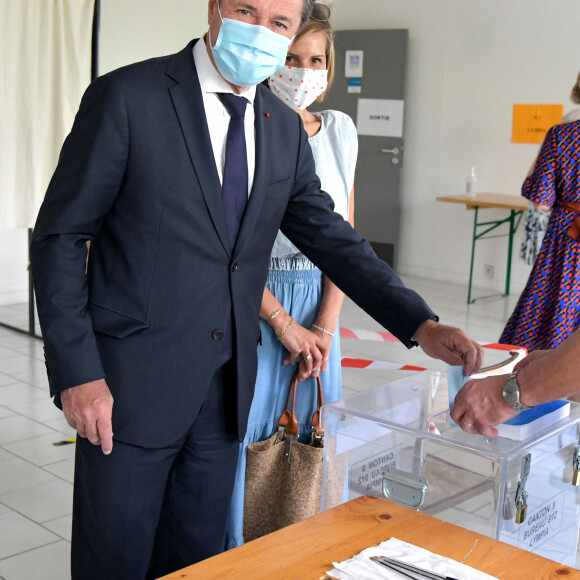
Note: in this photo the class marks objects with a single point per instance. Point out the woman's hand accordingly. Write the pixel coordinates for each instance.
(324, 339)
(300, 342)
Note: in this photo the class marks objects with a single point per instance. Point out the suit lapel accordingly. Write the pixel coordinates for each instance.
(188, 103)
(258, 193)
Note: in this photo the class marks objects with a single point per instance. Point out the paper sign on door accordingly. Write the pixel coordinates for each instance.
(380, 117)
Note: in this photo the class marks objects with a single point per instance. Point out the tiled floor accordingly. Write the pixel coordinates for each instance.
(36, 476)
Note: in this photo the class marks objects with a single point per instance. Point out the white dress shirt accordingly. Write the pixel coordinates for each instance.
(218, 119)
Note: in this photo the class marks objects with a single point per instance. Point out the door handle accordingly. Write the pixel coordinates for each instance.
(394, 151)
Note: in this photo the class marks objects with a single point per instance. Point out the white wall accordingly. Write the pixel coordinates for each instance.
(469, 62)
(13, 266)
(133, 30)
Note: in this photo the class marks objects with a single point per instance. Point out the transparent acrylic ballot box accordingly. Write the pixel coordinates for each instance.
(398, 441)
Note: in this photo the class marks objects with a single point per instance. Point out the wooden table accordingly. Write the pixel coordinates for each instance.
(306, 550)
(514, 203)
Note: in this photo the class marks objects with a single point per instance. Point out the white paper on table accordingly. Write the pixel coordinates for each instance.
(360, 567)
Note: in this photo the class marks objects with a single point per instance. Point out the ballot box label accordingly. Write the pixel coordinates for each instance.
(367, 475)
(542, 523)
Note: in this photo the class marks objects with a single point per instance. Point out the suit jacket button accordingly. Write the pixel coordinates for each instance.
(234, 267)
(217, 334)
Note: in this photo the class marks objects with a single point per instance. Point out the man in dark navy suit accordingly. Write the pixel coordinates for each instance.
(164, 319)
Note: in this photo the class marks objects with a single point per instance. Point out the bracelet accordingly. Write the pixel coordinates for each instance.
(285, 330)
(323, 330)
(275, 313)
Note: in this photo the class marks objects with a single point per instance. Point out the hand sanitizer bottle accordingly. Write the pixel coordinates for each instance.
(471, 183)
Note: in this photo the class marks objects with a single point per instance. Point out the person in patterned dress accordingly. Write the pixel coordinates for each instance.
(548, 310)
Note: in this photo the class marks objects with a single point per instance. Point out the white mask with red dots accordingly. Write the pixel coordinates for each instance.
(298, 87)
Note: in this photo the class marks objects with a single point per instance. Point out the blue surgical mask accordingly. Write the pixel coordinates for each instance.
(246, 54)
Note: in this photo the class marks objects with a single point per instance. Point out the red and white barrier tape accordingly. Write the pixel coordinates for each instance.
(359, 363)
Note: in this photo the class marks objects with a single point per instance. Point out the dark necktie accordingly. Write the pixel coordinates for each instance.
(234, 191)
(235, 179)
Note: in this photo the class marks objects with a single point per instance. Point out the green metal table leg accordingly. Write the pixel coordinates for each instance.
(513, 221)
(469, 300)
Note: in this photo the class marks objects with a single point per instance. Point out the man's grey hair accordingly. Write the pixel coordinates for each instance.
(306, 11)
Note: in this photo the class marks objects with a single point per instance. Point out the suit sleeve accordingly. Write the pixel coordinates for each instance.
(346, 258)
(87, 180)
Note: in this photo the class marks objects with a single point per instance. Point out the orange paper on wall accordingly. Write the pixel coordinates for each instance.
(531, 122)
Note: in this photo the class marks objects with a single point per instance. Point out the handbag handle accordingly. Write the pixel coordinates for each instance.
(288, 421)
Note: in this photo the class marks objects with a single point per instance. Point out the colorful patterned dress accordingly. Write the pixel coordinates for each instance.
(549, 308)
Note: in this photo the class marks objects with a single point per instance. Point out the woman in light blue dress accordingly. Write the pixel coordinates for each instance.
(300, 307)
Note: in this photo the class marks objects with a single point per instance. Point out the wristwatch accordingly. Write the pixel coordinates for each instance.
(511, 393)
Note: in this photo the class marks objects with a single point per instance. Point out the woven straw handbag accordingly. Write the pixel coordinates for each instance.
(284, 476)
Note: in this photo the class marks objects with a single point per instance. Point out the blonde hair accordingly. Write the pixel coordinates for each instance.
(575, 96)
(324, 27)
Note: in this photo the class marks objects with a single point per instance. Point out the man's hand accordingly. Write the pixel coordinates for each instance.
(479, 406)
(88, 409)
(451, 345)
(535, 355)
